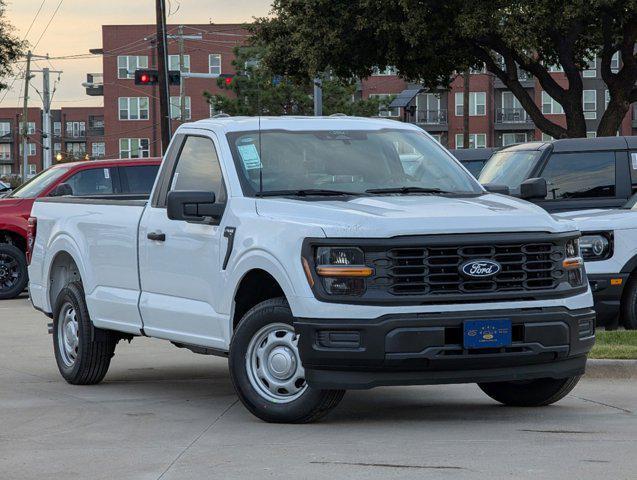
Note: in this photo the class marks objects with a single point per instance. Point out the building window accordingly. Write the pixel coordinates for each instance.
(134, 148)
(75, 129)
(591, 71)
(98, 149)
(476, 140)
(33, 169)
(57, 147)
(385, 72)
(550, 105)
(5, 151)
(30, 149)
(477, 103)
(614, 63)
(591, 134)
(383, 105)
(76, 149)
(589, 99)
(214, 63)
(513, 138)
(555, 68)
(133, 108)
(5, 129)
(127, 64)
(5, 170)
(30, 128)
(606, 98)
(57, 128)
(437, 137)
(175, 108)
(173, 63)
(547, 138)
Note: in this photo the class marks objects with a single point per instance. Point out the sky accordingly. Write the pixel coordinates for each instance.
(77, 27)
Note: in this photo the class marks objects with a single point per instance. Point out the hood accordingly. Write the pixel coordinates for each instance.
(394, 215)
(13, 202)
(589, 220)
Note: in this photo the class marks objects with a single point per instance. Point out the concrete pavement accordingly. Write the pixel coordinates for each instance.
(165, 413)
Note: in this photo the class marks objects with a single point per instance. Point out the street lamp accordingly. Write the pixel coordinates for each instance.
(58, 157)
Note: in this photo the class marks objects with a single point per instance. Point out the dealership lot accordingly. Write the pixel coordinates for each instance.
(166, 413)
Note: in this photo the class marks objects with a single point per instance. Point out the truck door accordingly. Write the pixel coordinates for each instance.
(584, 180)
(178, 260)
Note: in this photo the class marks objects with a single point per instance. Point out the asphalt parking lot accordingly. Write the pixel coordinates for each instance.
(166, 413)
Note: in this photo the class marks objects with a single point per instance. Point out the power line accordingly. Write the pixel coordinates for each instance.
(47, 25)
(34, 19)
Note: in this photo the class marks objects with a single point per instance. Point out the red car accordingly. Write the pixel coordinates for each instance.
(98, 178)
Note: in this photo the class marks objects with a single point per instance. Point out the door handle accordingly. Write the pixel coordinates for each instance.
(157, 237)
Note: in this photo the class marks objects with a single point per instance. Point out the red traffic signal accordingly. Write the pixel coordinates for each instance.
(146, 77)
(227, 78)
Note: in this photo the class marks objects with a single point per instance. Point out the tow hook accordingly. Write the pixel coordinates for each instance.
(49, 327)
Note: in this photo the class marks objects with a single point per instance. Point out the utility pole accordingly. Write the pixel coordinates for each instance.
(47, 134)
(318, 97)
(182, 90)
(162, 70)
(25, 115)
(465, 111)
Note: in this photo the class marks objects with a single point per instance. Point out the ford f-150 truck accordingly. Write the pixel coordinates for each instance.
(97, 178)
(301, 249)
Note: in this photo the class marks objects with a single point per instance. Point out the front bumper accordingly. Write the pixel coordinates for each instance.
(417, 349)
(607, 296)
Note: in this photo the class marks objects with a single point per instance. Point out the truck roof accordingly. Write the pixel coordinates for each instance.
(579, 144)
(299, 123)
(110, 162)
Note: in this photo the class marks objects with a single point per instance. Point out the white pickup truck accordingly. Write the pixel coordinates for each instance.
(308, 253)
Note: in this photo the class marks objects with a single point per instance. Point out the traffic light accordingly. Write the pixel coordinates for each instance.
(227, 78)
(145, 76)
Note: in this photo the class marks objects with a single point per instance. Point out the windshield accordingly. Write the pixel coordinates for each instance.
(509, 168)
(34, 187)
(346, 161)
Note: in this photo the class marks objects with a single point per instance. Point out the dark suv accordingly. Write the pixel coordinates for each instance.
(568, 174)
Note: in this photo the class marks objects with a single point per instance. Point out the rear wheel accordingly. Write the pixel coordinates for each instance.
(530, 393)
(628, 307)
(13, 271)
(83, 353)
(266, 369)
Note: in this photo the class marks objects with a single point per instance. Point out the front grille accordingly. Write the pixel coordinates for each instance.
(436, 270)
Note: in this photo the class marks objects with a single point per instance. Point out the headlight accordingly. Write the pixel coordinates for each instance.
(342, 270)
(573, 263)
(596, 247)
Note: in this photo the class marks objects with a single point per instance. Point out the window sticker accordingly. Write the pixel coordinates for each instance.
(107, 174)
(250, 156)
(633, 157)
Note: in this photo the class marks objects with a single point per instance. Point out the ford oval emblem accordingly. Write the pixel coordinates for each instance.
(480, 268)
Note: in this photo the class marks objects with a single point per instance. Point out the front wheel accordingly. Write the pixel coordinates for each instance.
(530, 393)
(628, 308)
(266, 369)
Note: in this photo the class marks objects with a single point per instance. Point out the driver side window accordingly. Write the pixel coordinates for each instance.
(580, 175)
(198, 169)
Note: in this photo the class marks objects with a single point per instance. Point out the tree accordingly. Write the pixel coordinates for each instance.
(429, 40)
(11, 48)
(258, 89)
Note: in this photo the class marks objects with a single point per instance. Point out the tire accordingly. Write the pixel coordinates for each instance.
(277, 396)
(13, 271)
(628, 307)
(83, 353)
(531, 393)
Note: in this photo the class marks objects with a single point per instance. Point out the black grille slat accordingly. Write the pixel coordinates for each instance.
(434, 270)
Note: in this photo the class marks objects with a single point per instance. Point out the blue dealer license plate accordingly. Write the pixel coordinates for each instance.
(487, 333)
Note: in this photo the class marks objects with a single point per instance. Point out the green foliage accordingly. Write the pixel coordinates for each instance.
(11, 48)
(257, 89)
(430, 40)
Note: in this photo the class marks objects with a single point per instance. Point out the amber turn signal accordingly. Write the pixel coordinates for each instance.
(344, 271)
(308, 272)
(571, 263)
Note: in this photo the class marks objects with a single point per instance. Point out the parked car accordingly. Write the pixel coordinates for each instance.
(99, 178)
(5, 189)
(300, 248)
(609, 248)
(473, 159)
(569, 174)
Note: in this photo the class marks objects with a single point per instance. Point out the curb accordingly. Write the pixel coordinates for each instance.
(611, 369)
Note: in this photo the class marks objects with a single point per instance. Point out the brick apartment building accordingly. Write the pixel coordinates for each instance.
(496, 116)
(77, 133)
(131, 112)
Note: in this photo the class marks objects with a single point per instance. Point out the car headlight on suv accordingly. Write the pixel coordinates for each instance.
(596, 246)
(342, 270)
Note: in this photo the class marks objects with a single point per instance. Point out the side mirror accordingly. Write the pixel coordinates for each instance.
(193, 206)
(533, 189)
(495, 188)
(62, 190)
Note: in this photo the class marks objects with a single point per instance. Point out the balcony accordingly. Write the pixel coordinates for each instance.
(512, 119)
(94, 84)
(6, 160)
(6, 137)
(432, 120)
(95, 126)
(526, 79)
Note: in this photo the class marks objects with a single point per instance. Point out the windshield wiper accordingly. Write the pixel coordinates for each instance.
(307, 192)
(405, 190)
